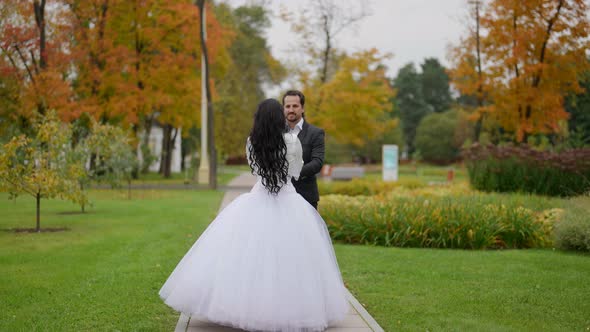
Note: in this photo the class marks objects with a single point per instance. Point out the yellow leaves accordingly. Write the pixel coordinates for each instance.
(550, 216)
(353, 106)
(33, 165)
(275, 68)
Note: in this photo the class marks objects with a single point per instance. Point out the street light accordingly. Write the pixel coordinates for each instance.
(204, 166)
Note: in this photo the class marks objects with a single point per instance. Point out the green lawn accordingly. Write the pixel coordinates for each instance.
(224, 174)
(425, 172)
(105, 272)
(459, 290)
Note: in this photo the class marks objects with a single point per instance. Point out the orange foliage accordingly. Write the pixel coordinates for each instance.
(120, 61)
(34, 42)
(533, 53)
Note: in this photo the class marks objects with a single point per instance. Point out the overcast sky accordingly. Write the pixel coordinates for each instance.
(409, 29)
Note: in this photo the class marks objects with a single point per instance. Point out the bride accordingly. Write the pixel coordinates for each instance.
(266, 263)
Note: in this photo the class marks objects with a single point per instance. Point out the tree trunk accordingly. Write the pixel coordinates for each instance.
(477, 129)
(327, 49)
(478, 124)
(39, 10)
(165, 149)
(129, 189)
(83, 205)
(38, 198)
(139, 82)
(170, 152)
(136, 167)
(145, 145)
(182, 155)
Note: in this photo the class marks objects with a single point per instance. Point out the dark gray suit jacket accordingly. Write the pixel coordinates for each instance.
(312, 142)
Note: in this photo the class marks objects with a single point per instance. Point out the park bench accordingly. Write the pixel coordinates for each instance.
(343, 173)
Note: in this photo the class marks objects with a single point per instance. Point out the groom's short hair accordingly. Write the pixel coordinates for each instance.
(295, 93)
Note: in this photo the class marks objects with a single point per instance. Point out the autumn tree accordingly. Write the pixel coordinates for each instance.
(101, 89)
(318, 24)
(357, 100)
(466, 71)
(161, 78)
(185, 81)
(34, 43)
(9, 103)
(533, 53)
(39, 166)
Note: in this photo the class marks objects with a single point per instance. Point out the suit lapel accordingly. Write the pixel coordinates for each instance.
(303, 132)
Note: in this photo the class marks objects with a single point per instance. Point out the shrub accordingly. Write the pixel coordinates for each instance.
(362, 187)
(477, 221)
(573, 233)
(435, 138)
(510, 169)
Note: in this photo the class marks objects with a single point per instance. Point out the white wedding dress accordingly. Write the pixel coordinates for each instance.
(266, 263)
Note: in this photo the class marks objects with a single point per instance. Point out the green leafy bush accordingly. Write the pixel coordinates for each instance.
(435, 138)
(573, 233)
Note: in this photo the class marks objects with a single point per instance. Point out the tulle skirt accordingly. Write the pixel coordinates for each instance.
(266, 263)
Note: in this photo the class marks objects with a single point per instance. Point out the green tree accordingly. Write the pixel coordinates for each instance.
(578, 107)
(435, 86)
(409, 103)
(115, 160)
(252, 66)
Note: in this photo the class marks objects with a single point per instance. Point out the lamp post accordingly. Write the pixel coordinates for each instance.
(204, 165)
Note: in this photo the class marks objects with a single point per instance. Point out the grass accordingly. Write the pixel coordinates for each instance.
(105, 272)
(224, 174)
(427, 173)
(457, 290)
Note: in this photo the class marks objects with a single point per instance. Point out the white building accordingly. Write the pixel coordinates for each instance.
(155, 144)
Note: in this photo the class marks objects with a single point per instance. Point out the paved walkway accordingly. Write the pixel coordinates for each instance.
(357, 320)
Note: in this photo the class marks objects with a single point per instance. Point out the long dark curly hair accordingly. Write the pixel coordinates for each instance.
(268, 151)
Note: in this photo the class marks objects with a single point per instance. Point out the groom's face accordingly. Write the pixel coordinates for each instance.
(293, 109)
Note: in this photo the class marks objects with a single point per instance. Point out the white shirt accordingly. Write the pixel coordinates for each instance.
(297, 129)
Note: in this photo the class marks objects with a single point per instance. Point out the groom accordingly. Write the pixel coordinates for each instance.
(312, 142)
